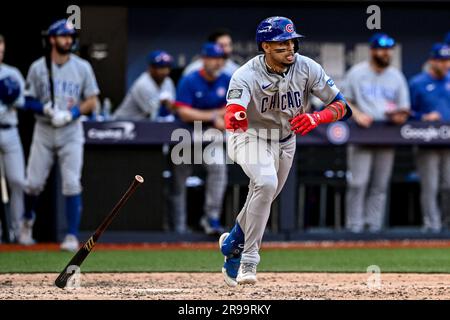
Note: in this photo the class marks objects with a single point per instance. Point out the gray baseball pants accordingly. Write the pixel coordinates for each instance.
(433, 166)
(369, 173)
(267, 164)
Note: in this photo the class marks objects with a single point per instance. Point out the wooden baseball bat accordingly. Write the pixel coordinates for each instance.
(84, 251)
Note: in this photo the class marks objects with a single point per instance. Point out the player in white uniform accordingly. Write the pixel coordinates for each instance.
(152, 91)
(58, 130)
(270, 92)
(12, 87)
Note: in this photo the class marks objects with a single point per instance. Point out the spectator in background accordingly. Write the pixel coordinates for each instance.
(376, 92)
(430, 101)
(223, 38)
(151, 96)
(201, 96)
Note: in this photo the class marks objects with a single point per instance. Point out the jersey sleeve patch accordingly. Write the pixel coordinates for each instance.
(235, 94)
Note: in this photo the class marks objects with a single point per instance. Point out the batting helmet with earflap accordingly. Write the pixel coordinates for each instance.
(275, 29)
(61, 27)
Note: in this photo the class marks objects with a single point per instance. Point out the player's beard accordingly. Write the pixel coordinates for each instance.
(382, 62)
(62, 50)
(213, 72)
(440, 74)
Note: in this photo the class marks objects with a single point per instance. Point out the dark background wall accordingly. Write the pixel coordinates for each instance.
(126, 33)
(181, 31)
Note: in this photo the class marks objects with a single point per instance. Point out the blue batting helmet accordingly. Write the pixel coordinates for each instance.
(381, 40)
(61, 27)
(159, 59)
(276, 29)
(9, 90)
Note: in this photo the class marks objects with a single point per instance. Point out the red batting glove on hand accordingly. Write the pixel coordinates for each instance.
(305, 122)
(236, 118)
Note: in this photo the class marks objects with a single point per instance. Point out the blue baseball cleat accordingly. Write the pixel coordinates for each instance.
(231, 265)
(231, 245)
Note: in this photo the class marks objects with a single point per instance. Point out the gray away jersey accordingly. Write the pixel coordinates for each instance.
(8, 114)
(143, 100)
(73, 81)
(271, 99)
(374, 93)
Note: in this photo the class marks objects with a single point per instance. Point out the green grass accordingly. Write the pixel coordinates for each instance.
(424, 260)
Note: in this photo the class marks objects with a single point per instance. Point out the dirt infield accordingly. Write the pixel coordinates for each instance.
(198, 286)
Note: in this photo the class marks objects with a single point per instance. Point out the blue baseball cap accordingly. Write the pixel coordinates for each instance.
(440, 51)
(381, 40)
(159, 59)
(212, 50)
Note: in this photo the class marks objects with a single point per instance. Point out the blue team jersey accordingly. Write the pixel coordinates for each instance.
(429, 94)
(196, 92)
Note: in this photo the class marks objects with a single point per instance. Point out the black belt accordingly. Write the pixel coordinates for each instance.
(6, 126)
(287, 138)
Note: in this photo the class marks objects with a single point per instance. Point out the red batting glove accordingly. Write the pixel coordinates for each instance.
(305, 122)
(236, 118)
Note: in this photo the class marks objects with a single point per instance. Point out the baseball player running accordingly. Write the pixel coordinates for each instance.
(58, 129)
(12, 87)
(270, 92)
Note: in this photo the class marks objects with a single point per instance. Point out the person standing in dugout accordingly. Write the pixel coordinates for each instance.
(12, 87)
(201, 97)
(271, 92)
(430, 101)
(58, 100)
(377, 92)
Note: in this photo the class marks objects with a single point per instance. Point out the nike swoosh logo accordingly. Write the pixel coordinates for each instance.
(266, 86)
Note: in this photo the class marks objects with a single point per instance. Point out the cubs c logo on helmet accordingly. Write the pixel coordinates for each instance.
(289, 28)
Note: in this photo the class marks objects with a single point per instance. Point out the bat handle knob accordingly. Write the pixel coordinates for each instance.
(240, 115)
